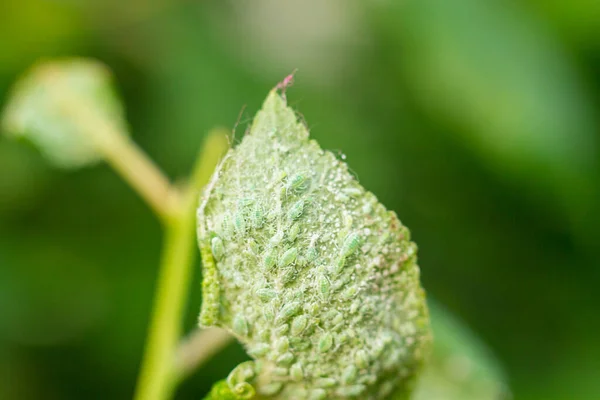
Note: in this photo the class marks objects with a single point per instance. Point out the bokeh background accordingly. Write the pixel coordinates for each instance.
(476, 121)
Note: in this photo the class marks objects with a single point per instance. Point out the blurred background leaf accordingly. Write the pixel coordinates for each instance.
(475, 121)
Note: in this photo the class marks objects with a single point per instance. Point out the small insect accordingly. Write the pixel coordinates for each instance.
(266, 294)
(282, 329)
(296, 372)
(253, 246)
(297, 183)
(351, 244)
(239, 223)
(216, 245)
(296, 210)
(285, 359)
(240, 325)
(282, 344)
(258, 217)
(299, 324)
(325, 382)
(361, 359)
(349, 374)
(226, 226)
(289, 310)
(288, 257)
(259, 350)
(351, 391)
(326, 342)
(269, 259)
(293, 232)
(324, 287)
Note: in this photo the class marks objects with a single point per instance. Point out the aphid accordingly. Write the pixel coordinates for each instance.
(239, 223)
(350, 292)
(299, 344)
(338, 318)
(285, 359)
(288, 257)
(280, 371)
(282, 329)
(292, 233)
(311, 254)
(326, 342)
(226, 226)
(282, 344)
(240, 325)
(269, 313)
(351, 391)
(299, 324)
(269, 259)
(296, 372)
(349, 374)
(324, 287)
(266, 294)
(351, 244)
(340, 263)
(216, 245)
(296, 210)
(244, 202)
(318, 394)
(352, 191)
(298, 183)
(258, 217)
(289, 310)
(277, 238)
(271, 389)
(361, 359)
(325, 382)
(253, 247)
(259, 350)
(289, 275)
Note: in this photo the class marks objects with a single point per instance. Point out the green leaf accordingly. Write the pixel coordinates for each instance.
(40, 109)
(506, 90)
(312, 274)
(461, 366)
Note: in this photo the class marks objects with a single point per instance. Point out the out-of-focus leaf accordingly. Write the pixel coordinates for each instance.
(461, 366)
(39, 110)
(504, 87)
(577, 20)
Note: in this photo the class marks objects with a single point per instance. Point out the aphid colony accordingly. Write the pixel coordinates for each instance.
(312, 274)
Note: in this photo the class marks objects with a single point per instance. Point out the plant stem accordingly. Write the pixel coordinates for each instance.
(158, 376)
(127, 159)
(198, 348)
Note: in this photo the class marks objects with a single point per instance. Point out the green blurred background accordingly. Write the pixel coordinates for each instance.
(476, 120)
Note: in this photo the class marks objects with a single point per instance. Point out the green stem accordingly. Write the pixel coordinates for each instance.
(156, 378)
(159, 373)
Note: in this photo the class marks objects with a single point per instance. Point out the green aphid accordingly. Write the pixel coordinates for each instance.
(351, 244)
(269, 259)
(292, 233)
(351, 391)
(298, 183)
(324, 287)
(240, 326)
(239, 223)
(296, 210)
(288, 257)
(266, 294)
(299, 325)
(217, 248)
(258, 217)
(326, 342)
(289, 310)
